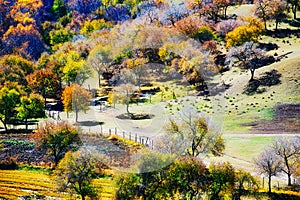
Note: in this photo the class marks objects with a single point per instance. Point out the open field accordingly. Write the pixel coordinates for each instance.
(15, 184)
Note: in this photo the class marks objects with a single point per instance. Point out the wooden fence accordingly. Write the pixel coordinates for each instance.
(145, 140)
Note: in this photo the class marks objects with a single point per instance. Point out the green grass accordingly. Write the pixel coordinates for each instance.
(245, 148)
(235, 124)
(34, 169)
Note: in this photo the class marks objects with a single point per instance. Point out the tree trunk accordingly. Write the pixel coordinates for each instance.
(276, 22)
(265, 23)
(289, 179)
(99, 79)
(252, 74)
(4, 124)
(82, 197)
(45, 101)
(127, 108)
(26, 124)
(76, 115)
(269, 184)
(295, 11)
(288, 171)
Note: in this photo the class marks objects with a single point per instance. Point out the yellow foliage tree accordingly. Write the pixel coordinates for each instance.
(245, 33)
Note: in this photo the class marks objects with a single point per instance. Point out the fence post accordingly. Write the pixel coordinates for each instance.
(129, 135)
(116, 131)
(123, 134)
(109, 131)
(135, 138)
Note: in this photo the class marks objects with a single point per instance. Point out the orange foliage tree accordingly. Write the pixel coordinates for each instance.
(25, 40)
(76, 98)
(57, 137)
(271, 9)
(44, 82)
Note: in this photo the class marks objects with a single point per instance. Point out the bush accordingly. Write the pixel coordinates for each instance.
(204, 34)
(8, 164)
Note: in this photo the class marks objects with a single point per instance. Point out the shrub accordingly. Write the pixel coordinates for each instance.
(8, 164)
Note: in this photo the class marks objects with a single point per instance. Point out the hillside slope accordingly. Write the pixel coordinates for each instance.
(243, 110)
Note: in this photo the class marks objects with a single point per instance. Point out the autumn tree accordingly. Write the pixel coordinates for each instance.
(59, 8)
(269, 164)
(75, 70)
(194, 129)
(295, 6)
(225, 26)
(76, 98)
(14, 68)
(31, 106)
(43, 82)
(94, 25)
(189, 177)
(194, 5)
(76, 171)
(124, 94)
(267, 9)
(137, 67)
(10, 95)
(244, 33)
(4, 10)
(279, 11)
(222, 177)
(57, 137)
(211, 10)
(112, 98)
(58, 37)
(26, 40)
(173, 13)
(223, 5)
(189, 25)
(83, 6)
(26, 12)
(263, 10)
(244, 183)
(188, 59)
(151, 180)
(100, 60)
(288, 149)
(195, 28)
(125, 88)
(247, 56)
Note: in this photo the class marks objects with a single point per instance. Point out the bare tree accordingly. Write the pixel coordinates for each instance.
(192, 128)
(268, 163)
(125, 93)
(126, 88)
(247, 56)
(288, 149)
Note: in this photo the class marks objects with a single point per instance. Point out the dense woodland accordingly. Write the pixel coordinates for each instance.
(49, 49)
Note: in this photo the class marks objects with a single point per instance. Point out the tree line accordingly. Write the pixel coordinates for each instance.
(173, 169)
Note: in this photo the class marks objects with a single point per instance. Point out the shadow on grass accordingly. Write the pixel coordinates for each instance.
(135, 116)
(90, 123)
(268, 79)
